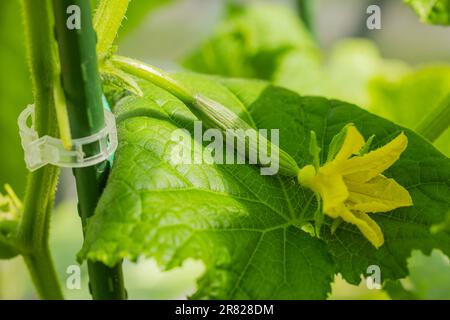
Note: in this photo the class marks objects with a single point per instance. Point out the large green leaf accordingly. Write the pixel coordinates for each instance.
(432, 11)
(268, 41)
(244, 226)
(252, 41)
(355, 71)
(409, 98)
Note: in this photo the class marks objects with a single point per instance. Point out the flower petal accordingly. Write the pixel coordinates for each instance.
(352, 144)
(375, 162)
(331, 187)
(379, 194)
(368, 227)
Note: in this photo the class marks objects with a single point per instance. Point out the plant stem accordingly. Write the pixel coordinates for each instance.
(83, 92)
(43, 274)
(107, 20)
(436, 122)
(306, 12)
(33, 230)
(154, 75)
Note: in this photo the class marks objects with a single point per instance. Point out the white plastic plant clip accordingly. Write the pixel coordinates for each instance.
(40, 151)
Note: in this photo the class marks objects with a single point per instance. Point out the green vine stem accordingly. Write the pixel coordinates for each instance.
(154, 75)
(107, 21)
(436, 122)
(33, 230)
(83, 93)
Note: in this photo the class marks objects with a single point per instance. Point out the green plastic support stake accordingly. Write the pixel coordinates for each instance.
(81, 83)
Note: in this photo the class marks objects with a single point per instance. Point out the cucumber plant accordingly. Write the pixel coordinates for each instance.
(283, 236)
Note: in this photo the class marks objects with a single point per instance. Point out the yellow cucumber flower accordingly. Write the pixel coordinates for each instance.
(352, 185)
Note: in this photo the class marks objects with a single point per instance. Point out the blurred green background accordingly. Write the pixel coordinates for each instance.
(400, 72)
